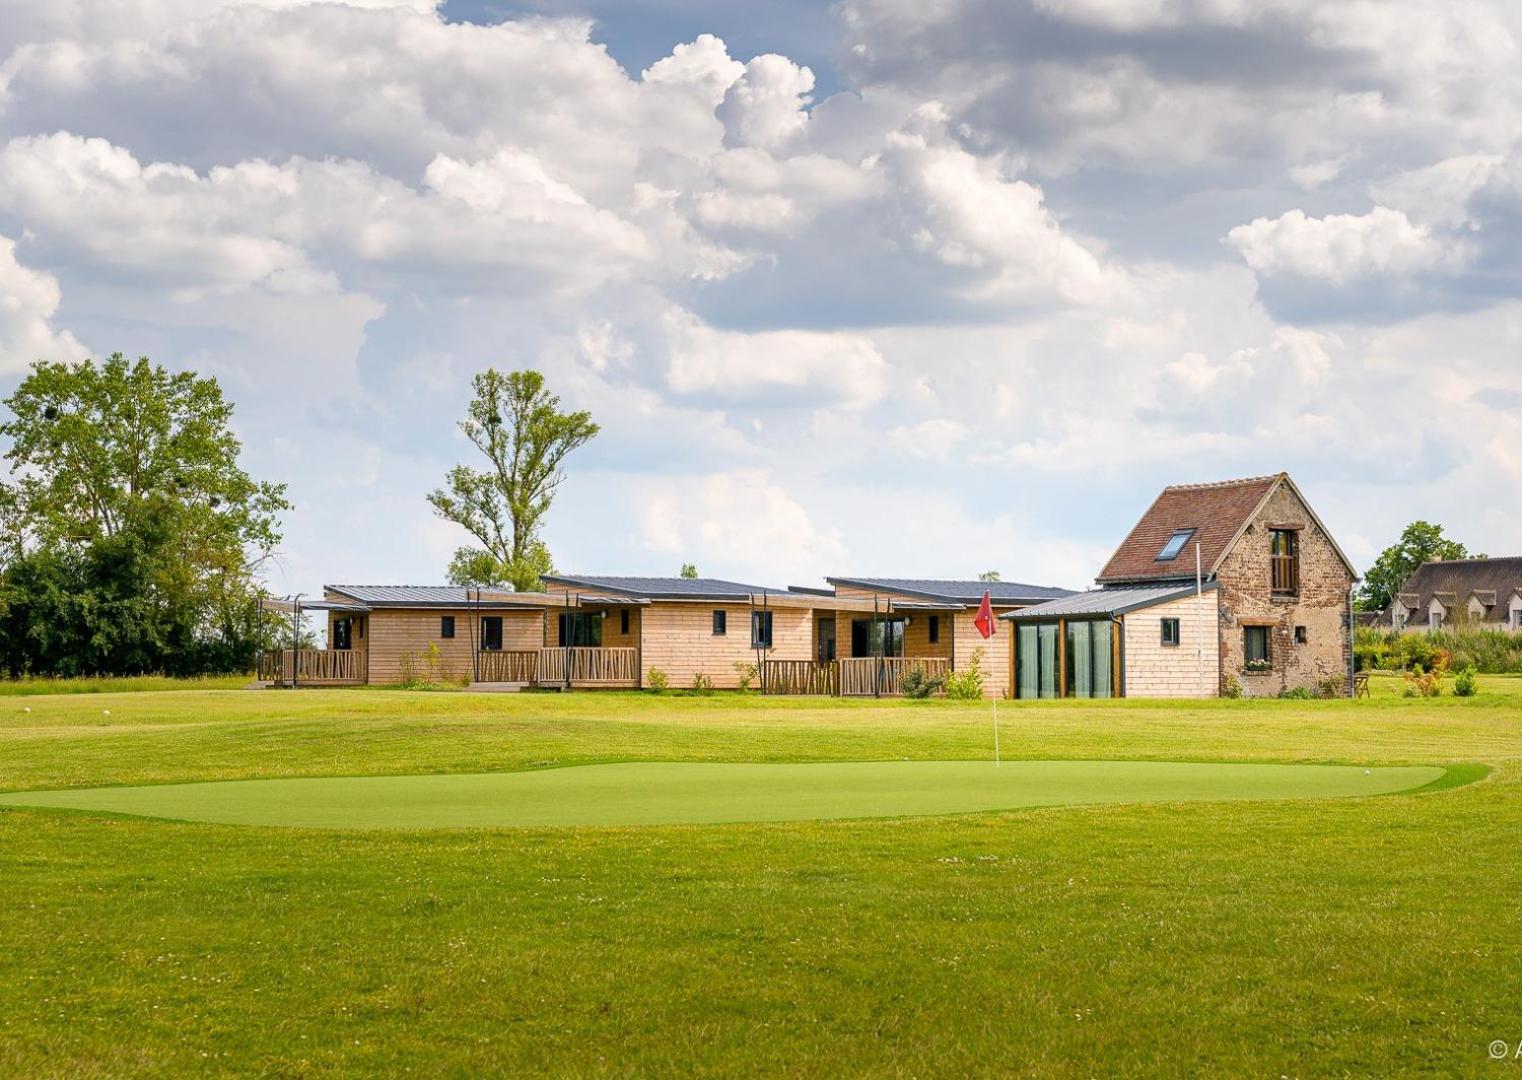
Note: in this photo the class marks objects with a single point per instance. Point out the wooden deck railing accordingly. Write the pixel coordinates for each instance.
(818, 677)
(613, 666)
(878, 676)
(315, 667)
(507, 665)
(1286, 574)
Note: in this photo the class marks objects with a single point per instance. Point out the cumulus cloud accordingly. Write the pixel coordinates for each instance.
(734, 520)
(1340, 248)
(765, 108)
(812, 368)
(28, 302)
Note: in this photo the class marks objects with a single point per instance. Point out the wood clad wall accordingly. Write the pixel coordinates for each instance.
(1155, 670)
(679, 640)
(955, 627)
(394, 632)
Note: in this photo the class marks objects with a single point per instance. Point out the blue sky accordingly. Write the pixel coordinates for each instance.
(872, 287)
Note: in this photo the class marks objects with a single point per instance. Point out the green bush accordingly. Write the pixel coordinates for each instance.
(967, 684)
(1298, 693)
(1465, 683)
(915, 683)
(1333, 686)
(1491, 652)
(656, 680)
(702, 684)
(1232, 687)
(747, 673)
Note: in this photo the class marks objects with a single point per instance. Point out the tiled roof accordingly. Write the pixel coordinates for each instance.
(951, 589)
(1104, 602)
(1495, 580)
(660, 588)
(1216, 512)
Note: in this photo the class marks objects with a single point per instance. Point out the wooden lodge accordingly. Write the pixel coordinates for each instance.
(855, 638)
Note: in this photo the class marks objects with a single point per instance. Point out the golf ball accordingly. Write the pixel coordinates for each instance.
(1366, 772)
(107, 712)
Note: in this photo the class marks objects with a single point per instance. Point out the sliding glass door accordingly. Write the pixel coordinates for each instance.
(1085, 667)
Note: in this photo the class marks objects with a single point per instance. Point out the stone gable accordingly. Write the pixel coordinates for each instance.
(1320, 608)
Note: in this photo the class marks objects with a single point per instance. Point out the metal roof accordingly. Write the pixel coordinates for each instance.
(288, 605)
(660, 588)
(952, 589)
(1104, 602)
(412, 596)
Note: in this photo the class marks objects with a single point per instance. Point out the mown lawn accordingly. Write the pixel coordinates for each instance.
(1376, 936)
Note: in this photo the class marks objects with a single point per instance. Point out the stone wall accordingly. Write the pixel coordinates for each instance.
(1320, 608)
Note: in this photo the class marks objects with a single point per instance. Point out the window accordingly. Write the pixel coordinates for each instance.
(1170, 632)
(1255, 647)
(1434, 618)
(1174, 545)
(1301, 635)
(720, 621)
(581, 629)
(623, 622)
(1284, 561)
(446, 626)
(1516, 618)
(491, 633)
(935, 629)
(342, 632)
(760, 629)
(1088, 658)
(877, 637)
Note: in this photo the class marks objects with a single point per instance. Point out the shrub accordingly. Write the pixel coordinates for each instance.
(1421, 683)
(915, 683)
(702, 684)
(423, 671)
(1298, 693)
(1232, 688)
(656, 680)
(1333, 686)
(967, 684)
(1465, 683)
(747, 673)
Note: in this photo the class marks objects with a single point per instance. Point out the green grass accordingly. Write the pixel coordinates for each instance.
(1333, 936)
(93, 684)
(688, 793)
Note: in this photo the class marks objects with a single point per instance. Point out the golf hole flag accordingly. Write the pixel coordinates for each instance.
(984, 620)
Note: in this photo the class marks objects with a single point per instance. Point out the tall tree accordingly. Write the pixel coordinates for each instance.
(525, 437)
(989, 576)
(1419, 542)
(132, 534)
(690, 570)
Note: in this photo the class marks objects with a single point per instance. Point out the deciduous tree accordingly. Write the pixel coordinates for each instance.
(1419, 542)
(520, 429)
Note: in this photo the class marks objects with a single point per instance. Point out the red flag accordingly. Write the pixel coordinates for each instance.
(984, 620)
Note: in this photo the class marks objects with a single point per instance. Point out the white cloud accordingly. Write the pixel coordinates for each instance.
(766, 107)
(28, 302)
(736, 520)
(801, 367)
(1341, 248)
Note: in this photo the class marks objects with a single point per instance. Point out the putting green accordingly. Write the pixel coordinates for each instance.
(665, 793)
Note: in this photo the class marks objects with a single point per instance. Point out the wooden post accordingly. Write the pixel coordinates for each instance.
(1117, 627)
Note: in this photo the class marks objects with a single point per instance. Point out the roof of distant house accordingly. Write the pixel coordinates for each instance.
(1454, 581)
(965, 591)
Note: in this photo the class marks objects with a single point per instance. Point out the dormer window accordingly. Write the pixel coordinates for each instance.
(1174, 545)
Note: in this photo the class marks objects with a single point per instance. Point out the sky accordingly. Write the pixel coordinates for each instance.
(878, 287)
